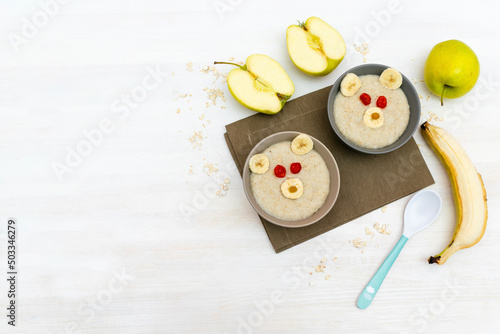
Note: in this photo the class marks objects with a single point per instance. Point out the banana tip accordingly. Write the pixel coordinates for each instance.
(423, 126)
(435, 259)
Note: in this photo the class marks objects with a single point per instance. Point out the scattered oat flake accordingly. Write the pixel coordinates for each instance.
(323, 260)
(319, 268)
(189, 67)
(223, 187)
(231, 58)
(191, 171)
(210, 169)
(335, 259)
(427, 98)
(178, 110)
(212, 95)
(358, 243)
(363, 50)
(384, 209)
(201, 117)
(207, 122)
(433, 117)
(180, 96)
(420, 96)
(223, 190)
(196, 139)
(214, 72)
(311, 284)
(382, 229)
(363, 251)
(369, 232)
(327, 277)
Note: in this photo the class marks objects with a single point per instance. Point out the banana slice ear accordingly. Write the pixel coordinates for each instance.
(350, 84)
(302, 144)
(259, 163)
(391, 78)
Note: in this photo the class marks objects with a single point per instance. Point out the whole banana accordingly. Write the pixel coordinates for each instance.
(468, 191)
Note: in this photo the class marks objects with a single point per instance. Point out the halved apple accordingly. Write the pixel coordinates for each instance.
(315, 47)
(261, 84)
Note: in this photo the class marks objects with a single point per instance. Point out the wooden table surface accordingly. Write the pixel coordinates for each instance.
(130, 215)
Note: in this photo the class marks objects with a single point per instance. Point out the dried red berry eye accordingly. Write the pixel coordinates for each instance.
(295, 167)
(365, 99)
(381, 102)
(279, 171)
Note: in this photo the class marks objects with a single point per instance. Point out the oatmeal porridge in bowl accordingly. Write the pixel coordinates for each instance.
(291, 179)
(374, 108)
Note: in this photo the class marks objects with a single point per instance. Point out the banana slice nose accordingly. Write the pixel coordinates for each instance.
(292, 188)
(373, 118)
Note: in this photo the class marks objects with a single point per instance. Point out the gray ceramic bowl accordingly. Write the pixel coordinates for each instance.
(411, 95)
(330, 163)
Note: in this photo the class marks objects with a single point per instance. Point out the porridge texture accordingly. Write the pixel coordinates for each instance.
(315, 177)
(349, 112)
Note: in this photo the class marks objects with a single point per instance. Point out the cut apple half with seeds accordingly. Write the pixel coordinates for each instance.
(261, 84)
(315, 47)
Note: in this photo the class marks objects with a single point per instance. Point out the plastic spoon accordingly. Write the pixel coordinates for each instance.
(420, 212)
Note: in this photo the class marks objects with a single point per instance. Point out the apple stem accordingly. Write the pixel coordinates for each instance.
(227, 63)
(442, 94)
(302, 25)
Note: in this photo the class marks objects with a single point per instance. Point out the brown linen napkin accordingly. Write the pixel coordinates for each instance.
(367, 182)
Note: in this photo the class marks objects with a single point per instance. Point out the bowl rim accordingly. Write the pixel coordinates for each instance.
(381, 150)
(334, 192)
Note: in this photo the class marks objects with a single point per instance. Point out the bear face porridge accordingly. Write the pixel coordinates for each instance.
(289, 179)
(372, 111)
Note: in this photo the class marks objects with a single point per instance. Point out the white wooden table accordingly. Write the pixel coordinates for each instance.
(131, 235)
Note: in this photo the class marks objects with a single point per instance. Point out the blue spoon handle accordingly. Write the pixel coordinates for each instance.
(372, 287)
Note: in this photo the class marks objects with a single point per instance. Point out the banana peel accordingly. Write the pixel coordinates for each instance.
(468, 191)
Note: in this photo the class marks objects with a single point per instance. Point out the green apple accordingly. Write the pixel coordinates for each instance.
(261, 84)
(451, 69)
(315, 47)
